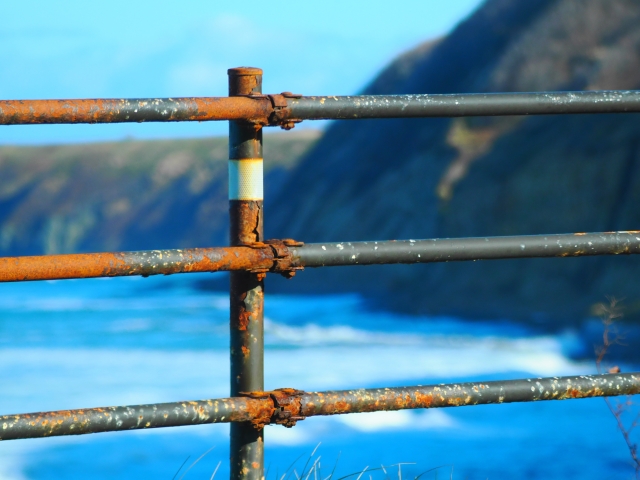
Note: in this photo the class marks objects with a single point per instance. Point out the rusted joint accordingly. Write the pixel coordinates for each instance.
(285, 409)
(280, 115)
(287, 406)
(282, 256)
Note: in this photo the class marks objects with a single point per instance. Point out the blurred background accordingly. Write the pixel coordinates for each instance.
(122, 49)
(82, 188)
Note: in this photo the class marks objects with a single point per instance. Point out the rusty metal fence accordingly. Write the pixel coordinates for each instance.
(250, 257)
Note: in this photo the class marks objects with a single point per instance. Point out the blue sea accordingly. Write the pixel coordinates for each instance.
(90, 343)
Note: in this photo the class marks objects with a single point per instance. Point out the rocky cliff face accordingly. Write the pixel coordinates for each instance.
(386, 179)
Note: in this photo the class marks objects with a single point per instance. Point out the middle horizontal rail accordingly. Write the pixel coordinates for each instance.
(123, 264)
(471, 248)
(279, 258)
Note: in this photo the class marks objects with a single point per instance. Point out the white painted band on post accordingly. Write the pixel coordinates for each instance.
(245, 179)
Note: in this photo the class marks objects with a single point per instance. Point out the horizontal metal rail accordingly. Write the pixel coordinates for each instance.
(286, 256)
(287, 406)
(461, 249)
(196, 109)
(152, 262)
(463, 105)
(283, 109)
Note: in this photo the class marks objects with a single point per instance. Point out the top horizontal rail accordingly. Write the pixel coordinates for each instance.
(112, 110)
(283, 109)
(464, 105)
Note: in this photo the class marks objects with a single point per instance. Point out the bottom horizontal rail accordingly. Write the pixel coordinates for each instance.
(286, 406)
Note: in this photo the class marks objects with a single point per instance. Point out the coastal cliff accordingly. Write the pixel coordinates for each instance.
(393, 179)
(410, 178)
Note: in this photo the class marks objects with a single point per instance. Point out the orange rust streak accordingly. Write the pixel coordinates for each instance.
(260, 411)
(424, 400)
(243, 322)
(13, 112)
(91, 265)
(338, 407)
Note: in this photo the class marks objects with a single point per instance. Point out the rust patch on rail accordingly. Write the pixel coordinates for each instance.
(191, 109)
(287, 406)
(145, 263)
(243, 319)
(281, 406)
(424, 400)
(339, 406)
(578, 393)
(261, 412)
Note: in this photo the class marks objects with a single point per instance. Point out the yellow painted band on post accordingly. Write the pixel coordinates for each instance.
(245, 179)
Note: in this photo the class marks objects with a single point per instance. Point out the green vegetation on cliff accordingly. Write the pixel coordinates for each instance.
(125, 196)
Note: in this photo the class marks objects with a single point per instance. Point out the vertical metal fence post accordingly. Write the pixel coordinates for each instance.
(247, 289)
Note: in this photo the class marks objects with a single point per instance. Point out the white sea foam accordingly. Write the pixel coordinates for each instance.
(312, 334)
(401, 420)
(78, 304)
(35, 379)
(336, 345)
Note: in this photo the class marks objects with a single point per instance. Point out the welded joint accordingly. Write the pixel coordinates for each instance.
(285, 408)
(283, 260)
(280, 113)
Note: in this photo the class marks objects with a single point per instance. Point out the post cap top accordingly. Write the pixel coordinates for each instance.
(238, 71)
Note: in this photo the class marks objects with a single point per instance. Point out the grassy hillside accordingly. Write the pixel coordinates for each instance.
(127, 195)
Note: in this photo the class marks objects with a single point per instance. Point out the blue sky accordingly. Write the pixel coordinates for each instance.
(144, 48)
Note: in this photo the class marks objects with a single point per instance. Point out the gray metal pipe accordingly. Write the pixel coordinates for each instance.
(462, 105)
(133, 417)
(466, 394)
(266, 111)
(286, 406)
(246, 291)
(459, 249)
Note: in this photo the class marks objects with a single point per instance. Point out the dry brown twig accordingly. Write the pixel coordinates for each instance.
(609, 314)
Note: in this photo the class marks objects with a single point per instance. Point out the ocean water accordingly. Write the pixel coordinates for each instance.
(90, 343)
